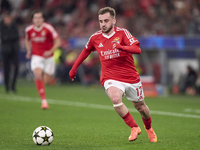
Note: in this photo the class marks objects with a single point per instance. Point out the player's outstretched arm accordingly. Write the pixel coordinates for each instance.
(84, 54)
(134, 49)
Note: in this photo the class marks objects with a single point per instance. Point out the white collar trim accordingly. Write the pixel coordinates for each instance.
(38, 29)
(106, 36)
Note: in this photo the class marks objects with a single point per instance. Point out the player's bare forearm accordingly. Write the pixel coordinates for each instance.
(56, 45)
(28, 48)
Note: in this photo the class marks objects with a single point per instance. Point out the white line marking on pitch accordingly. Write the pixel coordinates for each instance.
(191, 110)
(90, 105)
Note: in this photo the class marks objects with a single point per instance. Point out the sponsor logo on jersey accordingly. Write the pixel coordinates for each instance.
(39, 39)
(109, 54)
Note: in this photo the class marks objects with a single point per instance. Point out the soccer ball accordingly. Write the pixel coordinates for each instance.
(42, 135)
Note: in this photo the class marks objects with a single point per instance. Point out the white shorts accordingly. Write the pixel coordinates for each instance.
(133, 92)
(46, 64)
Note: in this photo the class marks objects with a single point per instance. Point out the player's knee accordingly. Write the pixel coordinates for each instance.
(141, 108)
(37, 73)
(38, 77)
(47, 82)
(116, 100)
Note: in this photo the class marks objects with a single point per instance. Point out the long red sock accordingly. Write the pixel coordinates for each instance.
(40, 89)
(128, 119)
(147, 122)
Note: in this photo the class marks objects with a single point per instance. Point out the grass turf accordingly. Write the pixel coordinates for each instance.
(82, 118)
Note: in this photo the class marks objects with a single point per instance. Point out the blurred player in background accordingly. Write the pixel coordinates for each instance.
(10, 51)
(118, 74)
(43, 40)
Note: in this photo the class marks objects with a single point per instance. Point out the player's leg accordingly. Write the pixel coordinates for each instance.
(6, 67)
(47, 78)
(134, 93)
(115, 92)
(15, 61)
(49, 70)
(143, 109)
(38, 73)
(115, 96)
(37, 65)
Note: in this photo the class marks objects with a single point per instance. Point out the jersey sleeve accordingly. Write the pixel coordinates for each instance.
(27, 33)
(52, 31)
(129, 39)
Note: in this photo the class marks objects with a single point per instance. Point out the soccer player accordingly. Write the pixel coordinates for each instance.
(43, 40)
(115, 47)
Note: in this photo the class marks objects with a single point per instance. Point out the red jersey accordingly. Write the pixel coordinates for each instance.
(115, 64)
(41, 38)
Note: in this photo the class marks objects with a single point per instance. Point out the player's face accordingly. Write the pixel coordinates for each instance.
(7, 20)
(38, 19)
(107, 22)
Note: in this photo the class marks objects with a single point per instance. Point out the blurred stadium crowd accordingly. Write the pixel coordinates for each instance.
(78, 18)
(140, 17)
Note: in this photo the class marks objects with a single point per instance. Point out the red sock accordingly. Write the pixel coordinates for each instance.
(40, 89)
(147, 123)
(128, 119)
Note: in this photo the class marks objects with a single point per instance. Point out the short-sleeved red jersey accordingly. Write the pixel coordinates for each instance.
(41, 38)
(115, 64)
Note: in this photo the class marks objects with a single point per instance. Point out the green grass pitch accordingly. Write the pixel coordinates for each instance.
(82, 118)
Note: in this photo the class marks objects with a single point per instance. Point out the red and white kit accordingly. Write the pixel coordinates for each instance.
(41, 38)
(116, 64)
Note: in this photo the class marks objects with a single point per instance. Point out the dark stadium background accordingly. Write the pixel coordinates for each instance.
(167, 30)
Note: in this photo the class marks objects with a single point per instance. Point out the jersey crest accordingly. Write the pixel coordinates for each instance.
(117, 39)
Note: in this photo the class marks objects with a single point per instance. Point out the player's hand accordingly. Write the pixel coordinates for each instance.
(117, 45)
(28, 55)
(47, 53)
(72, 74)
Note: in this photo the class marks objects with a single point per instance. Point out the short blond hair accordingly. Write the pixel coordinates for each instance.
(107, 9)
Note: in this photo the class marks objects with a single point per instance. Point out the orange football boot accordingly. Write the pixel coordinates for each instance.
(135, 131)
(45, 105)
(152, 136)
